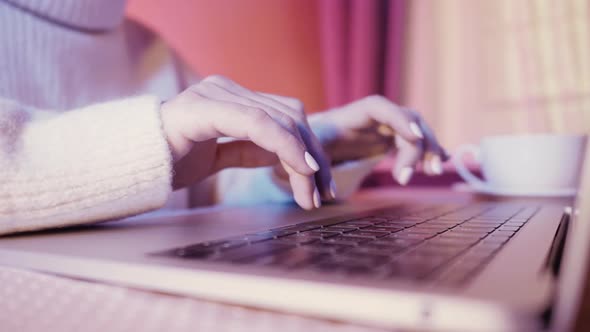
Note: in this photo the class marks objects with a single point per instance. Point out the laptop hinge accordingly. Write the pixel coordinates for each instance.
(553, 262)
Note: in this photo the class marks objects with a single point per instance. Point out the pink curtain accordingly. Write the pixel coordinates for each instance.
(362, 48)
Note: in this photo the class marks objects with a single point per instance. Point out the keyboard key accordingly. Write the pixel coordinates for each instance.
(384, 228)
(297, 228)
(508, 228)
(341, 229)
(370, 233)
(401, 223)
(477, 227)
(478, 221)
(302, 237)
(259, 237)
(346, 240)
(514, 223)
(357, 224)
(323, 234)
(392, 239)
(455, 240)
(413, 236)
(496, 239)
(415, 230)
(431, 227)
(503, 232)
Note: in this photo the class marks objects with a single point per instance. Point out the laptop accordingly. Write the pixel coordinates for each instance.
(441, 264)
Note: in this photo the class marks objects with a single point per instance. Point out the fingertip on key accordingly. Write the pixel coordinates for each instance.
(436, 165)
(333, 189)
(404, 175)
(317, 201)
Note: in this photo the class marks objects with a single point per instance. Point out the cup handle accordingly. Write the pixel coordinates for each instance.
(463, 171)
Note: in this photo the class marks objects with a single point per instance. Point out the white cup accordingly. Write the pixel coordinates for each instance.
(542, 162)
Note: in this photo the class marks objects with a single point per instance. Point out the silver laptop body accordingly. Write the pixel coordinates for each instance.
(532, 274)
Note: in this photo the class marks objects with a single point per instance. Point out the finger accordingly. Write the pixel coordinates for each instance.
(407, 157)
(242, 122)
(384, 111)
(324, 179)
(432, 164)
(248, 154)
(229, 91)
(304, 189)
(242, 154)
(293, 107)
(431, 142)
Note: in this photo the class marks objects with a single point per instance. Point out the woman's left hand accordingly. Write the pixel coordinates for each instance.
(373, 126)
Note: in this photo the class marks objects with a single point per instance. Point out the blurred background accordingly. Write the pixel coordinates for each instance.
(471, 67)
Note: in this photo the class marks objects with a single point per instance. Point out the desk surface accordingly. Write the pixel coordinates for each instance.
(31, 301)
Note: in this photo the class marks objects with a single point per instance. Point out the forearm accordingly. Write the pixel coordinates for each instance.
(96, 163)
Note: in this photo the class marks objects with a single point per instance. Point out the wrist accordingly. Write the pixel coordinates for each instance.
(179, 146)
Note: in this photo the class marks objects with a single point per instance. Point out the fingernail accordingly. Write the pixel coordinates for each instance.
(317, 202)
(311, 162)
(333, 189)
(404, 175)
(436, 165)
(415, 129)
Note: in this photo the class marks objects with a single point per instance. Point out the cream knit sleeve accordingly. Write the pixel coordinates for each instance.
(96, 163)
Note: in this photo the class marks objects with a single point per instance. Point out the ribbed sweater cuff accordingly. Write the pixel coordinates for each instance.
(97, 163)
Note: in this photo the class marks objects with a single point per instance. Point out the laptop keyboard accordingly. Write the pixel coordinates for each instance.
(444, 244)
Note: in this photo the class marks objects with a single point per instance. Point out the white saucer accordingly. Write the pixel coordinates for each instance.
(567, 192)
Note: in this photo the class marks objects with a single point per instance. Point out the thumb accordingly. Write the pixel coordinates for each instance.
(242, 154)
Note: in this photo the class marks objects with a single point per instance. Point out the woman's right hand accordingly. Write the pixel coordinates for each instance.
(265, 132)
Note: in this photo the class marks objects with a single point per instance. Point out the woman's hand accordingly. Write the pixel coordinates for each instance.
(374, 125)
(265, 131)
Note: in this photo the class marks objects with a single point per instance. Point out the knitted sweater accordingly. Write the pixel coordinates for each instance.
(80, 130)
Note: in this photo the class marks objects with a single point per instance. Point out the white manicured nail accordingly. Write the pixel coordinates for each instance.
(436, 165)
(333, 189)
(404, 175)
(311, 162)
(317, 201)
(415, 129)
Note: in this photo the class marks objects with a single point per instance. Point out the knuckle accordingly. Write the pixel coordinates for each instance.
(258, 115)
(378, 99)
(216, 79)
(204, 86)
(292, 126)
(288, 122)
(295, 104)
